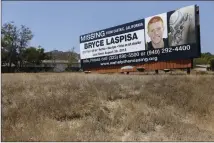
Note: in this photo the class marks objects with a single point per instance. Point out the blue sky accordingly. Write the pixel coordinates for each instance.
(58, 24)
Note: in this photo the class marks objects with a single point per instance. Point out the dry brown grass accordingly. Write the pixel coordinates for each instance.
(78, 107)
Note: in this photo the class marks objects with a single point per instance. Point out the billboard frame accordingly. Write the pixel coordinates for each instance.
(187, 66)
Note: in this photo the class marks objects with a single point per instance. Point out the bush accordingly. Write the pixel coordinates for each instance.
(212, 64)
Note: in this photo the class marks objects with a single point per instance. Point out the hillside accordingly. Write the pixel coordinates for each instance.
(60, 55)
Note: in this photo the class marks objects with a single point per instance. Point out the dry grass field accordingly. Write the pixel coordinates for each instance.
(91, 107)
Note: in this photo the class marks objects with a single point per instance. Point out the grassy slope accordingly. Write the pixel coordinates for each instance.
(78, 107)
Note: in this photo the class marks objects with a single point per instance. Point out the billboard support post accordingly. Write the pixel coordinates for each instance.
(188, 70)
(156, 71)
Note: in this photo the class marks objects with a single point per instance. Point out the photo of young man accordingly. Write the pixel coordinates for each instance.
(156, 32)
(182, 26)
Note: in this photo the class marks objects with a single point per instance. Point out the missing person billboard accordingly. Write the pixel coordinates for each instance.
(167, 36)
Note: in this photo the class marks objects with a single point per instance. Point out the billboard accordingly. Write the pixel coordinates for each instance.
(163, 37)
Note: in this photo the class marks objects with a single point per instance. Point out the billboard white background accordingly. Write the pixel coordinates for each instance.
(131, 48)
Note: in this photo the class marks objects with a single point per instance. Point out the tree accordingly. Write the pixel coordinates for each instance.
(200, 61)
(9, 43)
(14, 41)
(25, 35)
(212, 64)
(204, 59)
(34, 55)
(4, 56)
(72, 58)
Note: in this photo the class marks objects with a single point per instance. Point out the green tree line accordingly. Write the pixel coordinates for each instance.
(205, 59)
(15, 48)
